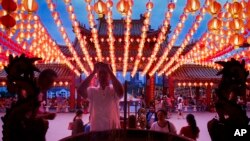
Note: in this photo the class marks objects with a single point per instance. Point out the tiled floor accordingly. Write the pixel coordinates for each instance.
(58, 127)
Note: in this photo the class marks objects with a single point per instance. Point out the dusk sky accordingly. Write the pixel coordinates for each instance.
(158, 12)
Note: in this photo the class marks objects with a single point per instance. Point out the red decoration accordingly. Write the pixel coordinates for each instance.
(9, 5)
(8, 21)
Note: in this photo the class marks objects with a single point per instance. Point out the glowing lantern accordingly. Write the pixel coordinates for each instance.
(7, 21)
(214, 8)
(236, 24)
(193, 5)
(100, 8)
(171, 6)
(237, 40)
(248, 24)
(248, 39)
(235, 9)
(123, 7)
(214, 24)
(30, 5)
(150, 5)
(248, 9)
(88, 1)
(109, 3)
(67, 1)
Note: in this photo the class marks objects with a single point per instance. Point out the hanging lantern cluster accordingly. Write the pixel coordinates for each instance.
(236, 24)
(8, 21)
(233, 22)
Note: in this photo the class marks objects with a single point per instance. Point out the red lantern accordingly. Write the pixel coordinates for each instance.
(236, 24)
(214, 24)
(171, 6)
(30, 5)
(9, 5)
(237, 40)
(150, 5)
(248, 24)
(8, 21)
(193, 5)
(100, 8)
(123, 7)
(214, 8)
(235, 9)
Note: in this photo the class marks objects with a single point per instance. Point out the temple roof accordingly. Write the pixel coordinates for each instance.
(191, 72)
(119, 28)
(62, 71)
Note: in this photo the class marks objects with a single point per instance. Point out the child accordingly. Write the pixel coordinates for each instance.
(179, 108)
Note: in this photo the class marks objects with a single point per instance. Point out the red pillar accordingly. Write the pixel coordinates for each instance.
(78, 101)
(72, 94)
(171, 86)
(150, 89)
(165, 85)
(208, 95)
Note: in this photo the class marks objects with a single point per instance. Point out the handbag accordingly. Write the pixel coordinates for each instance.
(70, 126)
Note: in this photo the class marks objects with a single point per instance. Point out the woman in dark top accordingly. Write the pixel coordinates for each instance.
(190, 131)
(77, 123)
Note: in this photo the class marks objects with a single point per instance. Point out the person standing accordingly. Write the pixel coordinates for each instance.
(151, 117)
(190, 131)
(104, 98)
(179, 108)
(162, 124)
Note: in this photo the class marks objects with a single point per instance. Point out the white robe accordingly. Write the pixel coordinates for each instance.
(104, 108)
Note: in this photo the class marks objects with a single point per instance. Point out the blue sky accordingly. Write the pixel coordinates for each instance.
(158, 12)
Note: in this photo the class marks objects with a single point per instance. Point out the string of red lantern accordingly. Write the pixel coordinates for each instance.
(7, 20)
(6, 41)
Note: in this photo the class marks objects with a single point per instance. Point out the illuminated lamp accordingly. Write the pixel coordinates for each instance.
(109, 3)
(248, 9)
(88, 1)
(211, 84)
(67, 1)
(214, 25)
(30, 5)
(248, 39)
(235, 9)
(100, 8)
(9, 5)
(214, 8)
(236, 24)
(248, 23)
(149, 5)
(171, 6)
(236, 40)
(193, 5)
(123, 7)
(7, 21)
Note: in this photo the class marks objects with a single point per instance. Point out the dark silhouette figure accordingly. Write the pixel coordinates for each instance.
(78, 123)
(231, 115)
(23, 120)
(191, 131)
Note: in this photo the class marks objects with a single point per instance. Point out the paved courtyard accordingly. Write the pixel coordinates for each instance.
(58, 127)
